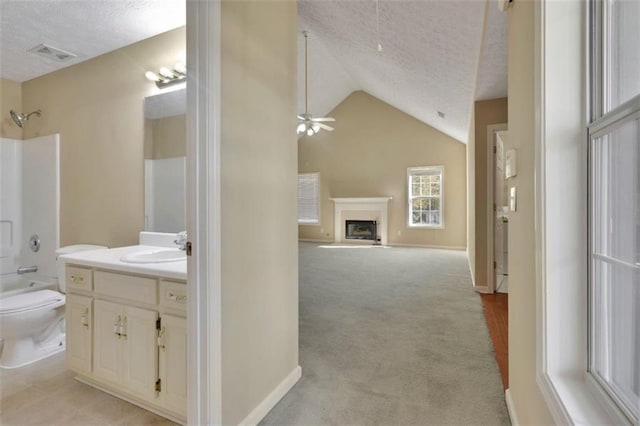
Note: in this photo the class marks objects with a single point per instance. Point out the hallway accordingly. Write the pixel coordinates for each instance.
(391, 336)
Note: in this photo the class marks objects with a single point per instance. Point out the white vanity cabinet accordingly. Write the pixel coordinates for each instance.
(79, 334)
(127, 335)
(124, 347)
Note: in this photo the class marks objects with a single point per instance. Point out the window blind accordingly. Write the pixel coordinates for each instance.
(309, 198)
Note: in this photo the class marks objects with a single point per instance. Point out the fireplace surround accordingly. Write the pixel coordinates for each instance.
(361, 209)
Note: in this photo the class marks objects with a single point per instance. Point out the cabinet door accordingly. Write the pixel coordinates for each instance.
(78, 317)
(140, 356)
(107, 350)
(173, 363)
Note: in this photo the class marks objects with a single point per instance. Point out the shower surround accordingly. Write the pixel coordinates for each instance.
(29, 203)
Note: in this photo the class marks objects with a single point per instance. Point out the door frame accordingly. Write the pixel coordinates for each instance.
(204, 334)
(492, 131)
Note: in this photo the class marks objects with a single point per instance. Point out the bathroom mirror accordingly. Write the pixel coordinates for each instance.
(165, 161)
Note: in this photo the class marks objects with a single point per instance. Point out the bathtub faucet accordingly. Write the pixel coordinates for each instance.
(25, 269)
(181, 240)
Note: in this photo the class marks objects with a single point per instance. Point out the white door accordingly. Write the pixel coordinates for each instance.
(173, 363)
(107, 350)
(140, 351)
(78, 317)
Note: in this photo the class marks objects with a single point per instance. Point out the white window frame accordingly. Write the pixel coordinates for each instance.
(561, 64)
(603, 120)
(312, 222)
(411, 171)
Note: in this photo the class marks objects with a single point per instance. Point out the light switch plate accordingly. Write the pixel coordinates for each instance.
(513, 199)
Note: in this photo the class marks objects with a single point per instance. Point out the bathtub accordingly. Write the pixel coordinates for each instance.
(11, 284)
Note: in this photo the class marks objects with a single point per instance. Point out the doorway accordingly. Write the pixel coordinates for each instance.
(497, 209)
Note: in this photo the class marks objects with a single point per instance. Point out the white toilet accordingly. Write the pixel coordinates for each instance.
(32, 323)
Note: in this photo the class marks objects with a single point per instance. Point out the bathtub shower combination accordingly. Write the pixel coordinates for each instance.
(31, 308)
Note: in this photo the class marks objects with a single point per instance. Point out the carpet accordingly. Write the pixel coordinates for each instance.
(391, 336)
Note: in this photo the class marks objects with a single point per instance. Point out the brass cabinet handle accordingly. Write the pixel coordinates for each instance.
(177, 298)
(84, 318)
(77, 279)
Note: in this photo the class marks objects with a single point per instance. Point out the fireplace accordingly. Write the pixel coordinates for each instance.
(361, 230)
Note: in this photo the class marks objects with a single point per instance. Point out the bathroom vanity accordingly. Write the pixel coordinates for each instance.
(126, 326)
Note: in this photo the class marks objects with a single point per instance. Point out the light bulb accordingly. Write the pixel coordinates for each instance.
(301, 128)
(180, 68)
(151, 76)
(166, 72)
(315, 128)
(310, 131)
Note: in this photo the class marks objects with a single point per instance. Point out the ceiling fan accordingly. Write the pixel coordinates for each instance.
(306, 123)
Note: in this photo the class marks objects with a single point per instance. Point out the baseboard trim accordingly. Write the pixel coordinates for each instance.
(473, 279)
(457, 248)
(311, 240)
(273, 398)
(482, 289)
(511, 408)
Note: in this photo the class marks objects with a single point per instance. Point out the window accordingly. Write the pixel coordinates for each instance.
(614, 194)
(309, 198)
(426, 187)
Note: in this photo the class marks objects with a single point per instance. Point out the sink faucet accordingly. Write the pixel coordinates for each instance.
(25, 269)
(181, 240)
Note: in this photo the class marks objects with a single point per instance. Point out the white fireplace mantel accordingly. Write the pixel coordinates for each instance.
(365, 208)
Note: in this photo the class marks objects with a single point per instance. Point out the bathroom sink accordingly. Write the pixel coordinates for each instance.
(155, 256)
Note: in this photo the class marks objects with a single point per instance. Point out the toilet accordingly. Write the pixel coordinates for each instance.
(32, 323)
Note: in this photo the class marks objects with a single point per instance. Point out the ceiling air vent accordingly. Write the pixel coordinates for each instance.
(56, 54)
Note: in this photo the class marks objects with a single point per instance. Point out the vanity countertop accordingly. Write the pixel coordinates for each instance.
(110, 259)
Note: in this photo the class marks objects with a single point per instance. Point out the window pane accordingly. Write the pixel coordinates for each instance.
(616, 330)
(425, 195)
(309, 198)
(616, 193)
(623, 51)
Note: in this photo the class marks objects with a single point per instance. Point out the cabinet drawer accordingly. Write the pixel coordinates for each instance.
(79, 278)
(139, 289)
(173, 294)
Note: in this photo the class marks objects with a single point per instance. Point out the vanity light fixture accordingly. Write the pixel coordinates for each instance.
(166, 77)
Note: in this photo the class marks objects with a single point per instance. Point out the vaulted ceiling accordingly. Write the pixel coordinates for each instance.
(437, 56)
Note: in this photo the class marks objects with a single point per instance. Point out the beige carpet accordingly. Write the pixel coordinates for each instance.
(391, 336)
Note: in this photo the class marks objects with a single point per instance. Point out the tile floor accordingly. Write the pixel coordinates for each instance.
(46, 394)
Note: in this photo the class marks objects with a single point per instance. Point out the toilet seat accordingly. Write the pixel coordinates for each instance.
(30, 301)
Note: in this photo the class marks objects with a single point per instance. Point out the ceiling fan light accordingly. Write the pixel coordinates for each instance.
(315, 128)
(310, 131)
(301, 128)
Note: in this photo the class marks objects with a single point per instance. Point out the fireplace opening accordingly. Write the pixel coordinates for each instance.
(361, 230)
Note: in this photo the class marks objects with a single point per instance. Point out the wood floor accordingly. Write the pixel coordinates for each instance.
(496, 312)
(45, 393)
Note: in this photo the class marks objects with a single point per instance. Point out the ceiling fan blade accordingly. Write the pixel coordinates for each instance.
(301, 118)
(324, 126)
(323, 119)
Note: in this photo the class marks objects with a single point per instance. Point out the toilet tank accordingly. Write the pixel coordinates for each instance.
(68, 250)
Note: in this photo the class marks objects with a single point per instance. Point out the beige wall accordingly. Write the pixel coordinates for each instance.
(165, 137)
(367, 155)
(10, 99)
(486, 113)
(97, 107)
(471, 198)
(258, 157)
(528, 401)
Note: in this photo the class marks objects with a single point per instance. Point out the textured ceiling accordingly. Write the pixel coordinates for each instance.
(429, 62)
(85, 28)
(436, 56)
(492, 70)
